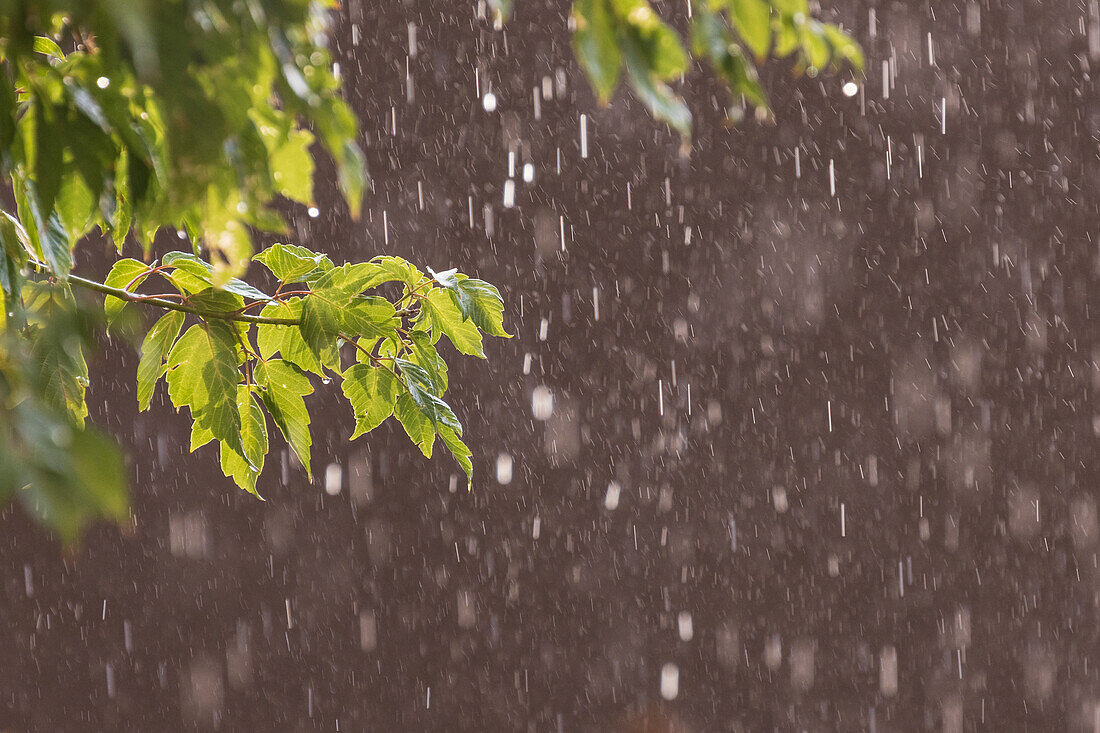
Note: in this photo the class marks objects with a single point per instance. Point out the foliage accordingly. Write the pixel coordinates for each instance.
(196, 116)
(732, 36)
(199, 117)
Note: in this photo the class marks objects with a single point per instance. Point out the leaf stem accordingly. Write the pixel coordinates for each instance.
(165, 304)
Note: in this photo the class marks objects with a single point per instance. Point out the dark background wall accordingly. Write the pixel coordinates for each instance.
(828, 460)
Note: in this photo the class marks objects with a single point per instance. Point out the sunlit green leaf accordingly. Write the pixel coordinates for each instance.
(204, 271)
(459, 450)
(48, 47)
(285, 386)
(244, 460)
(417, 426)
(596, 46)
(421, 389)
(203, 376)
(290, 263)
(372, 392)
(156, 345)
(480, 302)
(287, 341)
(125, 274)
(292, 167)
(446, 318)
(657, 97)
(752, 18)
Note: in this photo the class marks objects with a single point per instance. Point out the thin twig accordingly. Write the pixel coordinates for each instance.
(168, 305)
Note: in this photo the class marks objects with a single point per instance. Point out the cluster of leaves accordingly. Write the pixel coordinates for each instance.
(198, 116)
(58, 468)
(732, 36)
(232, 365)
(182, 113)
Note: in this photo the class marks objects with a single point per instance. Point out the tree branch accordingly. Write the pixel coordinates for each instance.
(167, 304)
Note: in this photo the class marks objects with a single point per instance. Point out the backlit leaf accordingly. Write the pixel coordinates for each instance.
(156, 345)
(203, 376)
(372, 392)
(291, 263)
(285, 386)
(244, 461)
(447, 319)
(596, 46)
(417, 426)
(125, 274)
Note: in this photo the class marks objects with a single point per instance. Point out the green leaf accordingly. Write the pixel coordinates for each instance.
(290, 263)
(64, 375)
(154, 348)
(417, 426)
(126, 274)
(480, 302)
(815, 49)
(71, 476)
(321, 321)
(244, 463)
(203, 375)
(460, 452)
(421, 390)
(285, 386)
(396, 269)
(752, 18)
(218, 300)
(204, 271)
(372, 392)
(596, 47)
(15, 240)
(657, 97)
(711, 38)
(292, 167)
(351, 172)
(123, 214)
(445, 318)
(792, 7)
(661, 50)
(49, 149)
(88, 106)
(98, 465)
(424, 356)
(11, 283)
(287, 341)
(8, 112)
(75, 207)
(46, 235)
(368, 316)
(47, 46)
(844, 47)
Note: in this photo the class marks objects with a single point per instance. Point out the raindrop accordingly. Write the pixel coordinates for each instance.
(334, 478)
(850, 89)
(504, 469)
(685, 626)
(670, 681)
(103, 82)
(611, 500)
(542, 403)
(314, 212)
(489, 102)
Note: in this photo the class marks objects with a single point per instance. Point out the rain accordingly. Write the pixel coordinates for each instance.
(798, 430)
